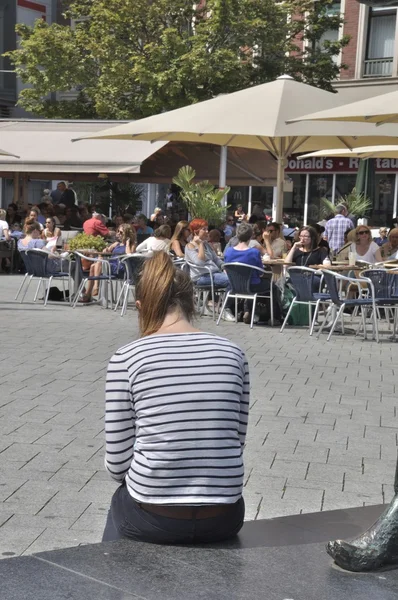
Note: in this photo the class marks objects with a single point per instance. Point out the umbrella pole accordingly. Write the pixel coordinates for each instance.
(278, 208)
(222, 180)
(249, 203)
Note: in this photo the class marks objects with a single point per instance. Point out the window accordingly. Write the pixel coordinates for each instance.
(380, 42)
(333, 35)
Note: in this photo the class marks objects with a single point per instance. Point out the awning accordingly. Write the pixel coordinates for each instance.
(46, 146)
(46, 151)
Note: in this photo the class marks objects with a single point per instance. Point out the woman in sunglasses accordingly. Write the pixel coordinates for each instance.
(365, 248)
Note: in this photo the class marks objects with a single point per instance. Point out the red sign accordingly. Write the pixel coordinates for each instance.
(336, 165)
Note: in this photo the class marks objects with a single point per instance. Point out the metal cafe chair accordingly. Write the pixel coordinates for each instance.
(385, 286)
(304, 281)
(83, 276)
(240, 275)
(203, 291)
(333, 281)
(38, 263)
(133, 264)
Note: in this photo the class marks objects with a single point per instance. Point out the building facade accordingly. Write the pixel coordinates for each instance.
(12, 12)
(371, 60)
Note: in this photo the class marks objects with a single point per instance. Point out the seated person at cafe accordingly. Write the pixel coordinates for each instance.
(4, 227)
(343, 254)
(243, 253)
(389, 251)
(126, 240)
(364, 247)
(307, 252)
(200, 254)
(95, 225)
(274, 243)
(143, 228)
(180, 239)
(257, 240)
(383, 237)
(159, 241)
(32, 240)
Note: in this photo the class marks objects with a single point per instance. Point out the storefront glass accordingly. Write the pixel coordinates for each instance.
(321, 186)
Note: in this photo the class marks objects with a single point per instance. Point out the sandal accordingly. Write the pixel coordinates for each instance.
(85, 299)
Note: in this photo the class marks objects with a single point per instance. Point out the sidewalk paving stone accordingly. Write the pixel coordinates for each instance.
(322, 434)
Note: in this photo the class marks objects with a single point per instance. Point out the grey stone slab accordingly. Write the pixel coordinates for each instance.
(31, 578)
(277, 559)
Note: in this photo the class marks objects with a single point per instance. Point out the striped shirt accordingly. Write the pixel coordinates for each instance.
(176, 418)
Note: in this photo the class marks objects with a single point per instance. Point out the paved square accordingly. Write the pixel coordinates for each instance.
(323, 421)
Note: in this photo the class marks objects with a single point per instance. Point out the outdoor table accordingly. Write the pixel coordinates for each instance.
(337, 267)
(277, 266)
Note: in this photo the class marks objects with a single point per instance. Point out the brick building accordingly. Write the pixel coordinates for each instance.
(372, 54)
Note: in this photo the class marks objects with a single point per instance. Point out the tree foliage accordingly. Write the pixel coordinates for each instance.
(134, 58)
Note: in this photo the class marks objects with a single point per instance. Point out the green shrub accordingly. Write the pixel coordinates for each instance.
(82, 241)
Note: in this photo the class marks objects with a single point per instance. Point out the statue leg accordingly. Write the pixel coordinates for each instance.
(376, 548)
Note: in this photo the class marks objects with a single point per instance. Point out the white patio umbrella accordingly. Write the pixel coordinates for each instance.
(380, 110)
(255, 118)
(387, 151)
(5, 153)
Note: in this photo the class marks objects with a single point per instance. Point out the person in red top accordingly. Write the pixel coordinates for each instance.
(95, 226)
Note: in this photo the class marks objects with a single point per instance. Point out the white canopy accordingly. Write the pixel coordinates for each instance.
(45, 146)
(388, 151)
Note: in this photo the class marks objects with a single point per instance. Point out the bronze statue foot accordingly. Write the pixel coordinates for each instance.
(376, 548)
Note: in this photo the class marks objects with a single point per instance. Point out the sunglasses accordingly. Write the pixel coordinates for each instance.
(362, 232)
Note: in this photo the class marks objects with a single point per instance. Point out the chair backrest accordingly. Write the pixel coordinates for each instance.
(302, 279)
(134, 264)
(383, 282)
(26, 262)
(239, 276)
(38, 262)
(332, 284)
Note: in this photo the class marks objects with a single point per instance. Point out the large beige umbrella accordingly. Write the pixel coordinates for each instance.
(388, 151)
(255, 118)
(380, 110)
(4, 153)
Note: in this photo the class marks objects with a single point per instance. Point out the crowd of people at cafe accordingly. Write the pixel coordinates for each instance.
(250, 240)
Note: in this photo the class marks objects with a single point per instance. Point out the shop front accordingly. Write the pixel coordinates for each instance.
(334, 178)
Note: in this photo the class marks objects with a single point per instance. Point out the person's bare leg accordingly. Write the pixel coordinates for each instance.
(375, 548)
(95, 269)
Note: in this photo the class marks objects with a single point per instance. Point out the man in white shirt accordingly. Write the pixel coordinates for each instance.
(4, 229)
(275, 245)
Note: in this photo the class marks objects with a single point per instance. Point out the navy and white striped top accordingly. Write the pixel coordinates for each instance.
(176, 418)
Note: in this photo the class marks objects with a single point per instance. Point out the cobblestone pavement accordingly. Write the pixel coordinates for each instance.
(322, 436)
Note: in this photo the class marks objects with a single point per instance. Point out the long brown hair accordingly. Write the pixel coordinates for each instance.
(129, 233)
(161, 287)
(179, 230)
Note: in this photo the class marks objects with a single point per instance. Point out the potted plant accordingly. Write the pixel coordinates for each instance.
(357, 205)
(201, 198)
(83, 241)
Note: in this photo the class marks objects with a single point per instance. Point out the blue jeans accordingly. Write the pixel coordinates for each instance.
(219, 279)
(127, 519)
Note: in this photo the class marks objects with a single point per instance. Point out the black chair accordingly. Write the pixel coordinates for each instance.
(240, 276)
(305, 281)
(133, 264)
(39, 265)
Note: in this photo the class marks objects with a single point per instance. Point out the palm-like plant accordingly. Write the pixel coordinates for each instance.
(201, 199)
(357, 204)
